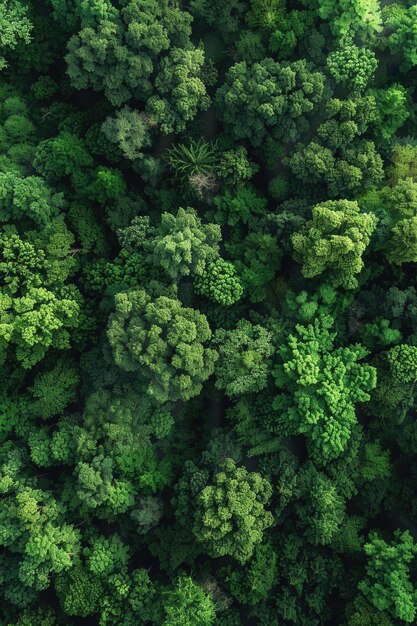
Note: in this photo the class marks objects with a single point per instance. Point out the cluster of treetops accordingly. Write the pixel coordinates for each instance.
(208, 313)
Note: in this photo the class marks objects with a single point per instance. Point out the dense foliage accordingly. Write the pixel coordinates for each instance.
(208, 312)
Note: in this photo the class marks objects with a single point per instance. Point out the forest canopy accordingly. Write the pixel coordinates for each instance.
(208, 313)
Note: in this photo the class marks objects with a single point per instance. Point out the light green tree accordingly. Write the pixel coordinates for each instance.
(230, 517)
(403, 40)
(186, 604)
(129, 129)
(387, 583)
(220, 282)
(38, 308)
(15, 26)
(352, 66)
(320, 385)
(333, 242)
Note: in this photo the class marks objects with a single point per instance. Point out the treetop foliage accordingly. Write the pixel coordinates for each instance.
(208, 313)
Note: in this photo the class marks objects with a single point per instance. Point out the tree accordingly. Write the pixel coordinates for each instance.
(362, 613)
(119, 56)
(320, 507)
(360, 168)
(38, 308)
(244, 358)
(18, 128)
(333, 241)
(87, 229)
(11, 409)
(79, 592)
(36, 617)
(63, 155)
(71, 14)
(186, 604)
(15, 26)
(33, 527)
(106, 555)
(183, 245)
(48, 553)
(288, 30)
(264, 15)
(402, 361)
(387, 582)
(403, 39)
(28, 198)
(129, 129)
(356, 167)
(181, 92)
(320, 386)
(402, 247)
(98, 488)
(196, 158)
(194, 167)
(346, 120)
(220, 282)
(163, 342)
(352, 66)
(239, 206)
(268, 99)
(394, 394)
(253, 582)
(350, 17)
(107, 185)
(55, 389)
(403, 159)
(230, 517)
(259, 259)
(312, 163)
(393, 109)
(147, 514)
(234, 166)
(400, 201)
(224, 18)
(343, 161)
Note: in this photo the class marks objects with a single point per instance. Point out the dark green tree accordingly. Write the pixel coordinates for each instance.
(244, 358)
(268, 99)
